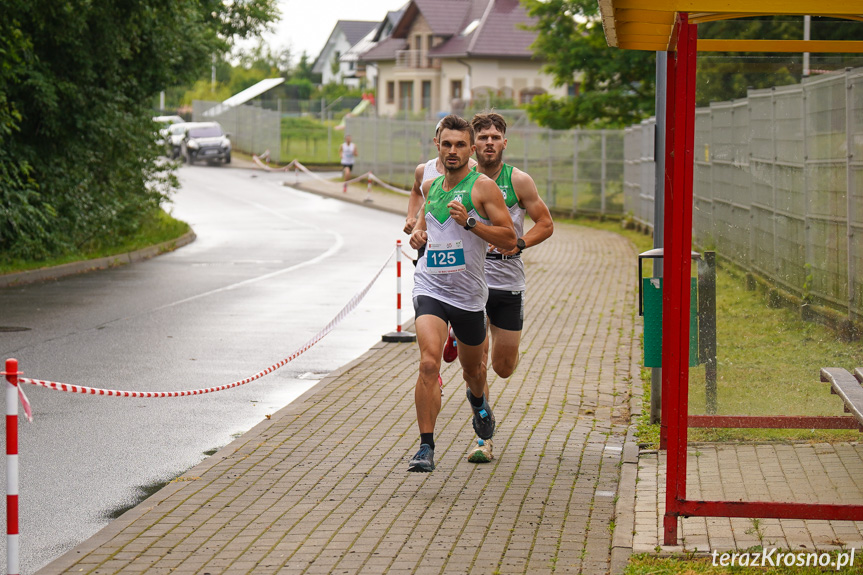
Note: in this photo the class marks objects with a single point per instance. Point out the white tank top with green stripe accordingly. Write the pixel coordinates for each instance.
(452, 269)
(507, 275)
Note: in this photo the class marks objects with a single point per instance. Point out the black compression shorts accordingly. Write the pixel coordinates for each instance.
(505, 309)
(469, 326)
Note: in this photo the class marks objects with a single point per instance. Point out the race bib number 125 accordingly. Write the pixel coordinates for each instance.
(445, 257)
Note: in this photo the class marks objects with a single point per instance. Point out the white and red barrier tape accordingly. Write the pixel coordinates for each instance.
(349, 307)
(297, 165)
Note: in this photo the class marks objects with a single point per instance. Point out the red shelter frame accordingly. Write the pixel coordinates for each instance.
(679, 154)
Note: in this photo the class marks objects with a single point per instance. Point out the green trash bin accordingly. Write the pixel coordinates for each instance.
(650, 306)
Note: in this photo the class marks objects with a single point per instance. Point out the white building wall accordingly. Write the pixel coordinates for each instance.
(337, 43)
(506, 77)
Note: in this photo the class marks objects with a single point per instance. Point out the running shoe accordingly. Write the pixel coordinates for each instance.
(440, 383)
(483, 418)
(481, 453)
(449, 349)
(423, 461)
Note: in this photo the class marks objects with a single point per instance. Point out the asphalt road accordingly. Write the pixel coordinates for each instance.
(271, 266)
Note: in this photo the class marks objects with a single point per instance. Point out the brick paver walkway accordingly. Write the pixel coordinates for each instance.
(798, 472)
(322, 487)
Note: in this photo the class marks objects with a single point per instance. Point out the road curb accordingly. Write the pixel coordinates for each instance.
(55, 272)
(623, 538)
(344, 198)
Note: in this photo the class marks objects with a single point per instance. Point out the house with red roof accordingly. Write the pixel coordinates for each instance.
(443, 53)
(330, 64)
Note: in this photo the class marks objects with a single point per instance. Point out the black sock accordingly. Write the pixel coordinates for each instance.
(427, 439)
(475, 401)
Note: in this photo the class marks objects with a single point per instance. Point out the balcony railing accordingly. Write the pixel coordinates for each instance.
(415, 59)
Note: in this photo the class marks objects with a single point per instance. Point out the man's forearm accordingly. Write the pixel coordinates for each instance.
(501, 236)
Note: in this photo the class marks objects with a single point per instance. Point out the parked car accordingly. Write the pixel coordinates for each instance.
(164, 124)
(174, 138)
(206, 141)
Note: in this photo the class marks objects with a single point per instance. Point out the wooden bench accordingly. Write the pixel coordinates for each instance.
(846, 386)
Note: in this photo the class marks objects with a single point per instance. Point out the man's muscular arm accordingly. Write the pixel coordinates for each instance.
(416, 199)
(528, 197)
(419, 236)
(487, 199)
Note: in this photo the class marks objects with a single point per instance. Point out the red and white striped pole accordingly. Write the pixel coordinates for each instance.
(398, 286)
(398, 334)
(11, 374)
(368, 197)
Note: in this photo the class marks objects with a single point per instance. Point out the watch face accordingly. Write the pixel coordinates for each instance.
(520, 243)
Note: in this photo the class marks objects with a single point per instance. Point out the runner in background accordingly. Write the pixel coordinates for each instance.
(348, 152)
(504, 269)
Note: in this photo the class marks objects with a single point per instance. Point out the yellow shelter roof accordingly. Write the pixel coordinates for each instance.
(650, 24)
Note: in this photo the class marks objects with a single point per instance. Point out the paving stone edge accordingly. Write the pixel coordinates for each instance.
(623, 538)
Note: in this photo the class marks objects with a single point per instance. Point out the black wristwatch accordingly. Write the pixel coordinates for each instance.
(471, 223)
(519, 243)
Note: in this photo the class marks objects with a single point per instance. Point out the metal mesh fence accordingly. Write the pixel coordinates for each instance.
(577, 171)
(778, 185)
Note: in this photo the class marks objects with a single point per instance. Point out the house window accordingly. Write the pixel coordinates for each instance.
(455, 90)
(427, 89)
(406, 96)
(391, 92)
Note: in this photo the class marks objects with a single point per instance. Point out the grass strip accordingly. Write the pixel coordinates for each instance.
(157, 228)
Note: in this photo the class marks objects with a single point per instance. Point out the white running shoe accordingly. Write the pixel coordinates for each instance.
(481, 453)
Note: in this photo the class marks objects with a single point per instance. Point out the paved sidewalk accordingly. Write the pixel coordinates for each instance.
(322, 486)
(798, 472)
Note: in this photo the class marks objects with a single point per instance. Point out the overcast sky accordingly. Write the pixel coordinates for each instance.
(306, 24)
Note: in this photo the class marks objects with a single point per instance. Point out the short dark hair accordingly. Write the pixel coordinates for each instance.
(482, 122)
(459, 124)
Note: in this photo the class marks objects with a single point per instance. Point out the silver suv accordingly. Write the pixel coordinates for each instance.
(206, 141)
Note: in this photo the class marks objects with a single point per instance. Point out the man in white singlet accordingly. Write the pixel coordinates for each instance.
(427, 171)
(348, 153)
(504, 269)
(463, 213)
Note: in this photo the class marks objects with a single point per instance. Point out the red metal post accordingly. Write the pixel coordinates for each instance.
(677, 270)
(398, 284)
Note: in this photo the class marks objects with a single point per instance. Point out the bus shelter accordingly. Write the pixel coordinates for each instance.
(671, 26)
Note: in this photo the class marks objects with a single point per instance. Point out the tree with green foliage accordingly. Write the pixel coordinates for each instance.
(78, 161)
(616, 86)
(723, 76)
(304, 70)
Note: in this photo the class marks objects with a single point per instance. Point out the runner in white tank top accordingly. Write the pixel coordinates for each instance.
(449, 282)
(425, 171)
(504, 268)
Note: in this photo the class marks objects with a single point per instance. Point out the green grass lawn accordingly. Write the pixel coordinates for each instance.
(161, 227)
(653, 565)
(768, 362)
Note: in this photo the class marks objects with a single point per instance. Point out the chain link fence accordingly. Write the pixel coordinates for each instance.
(778, 185)
(576, 171)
